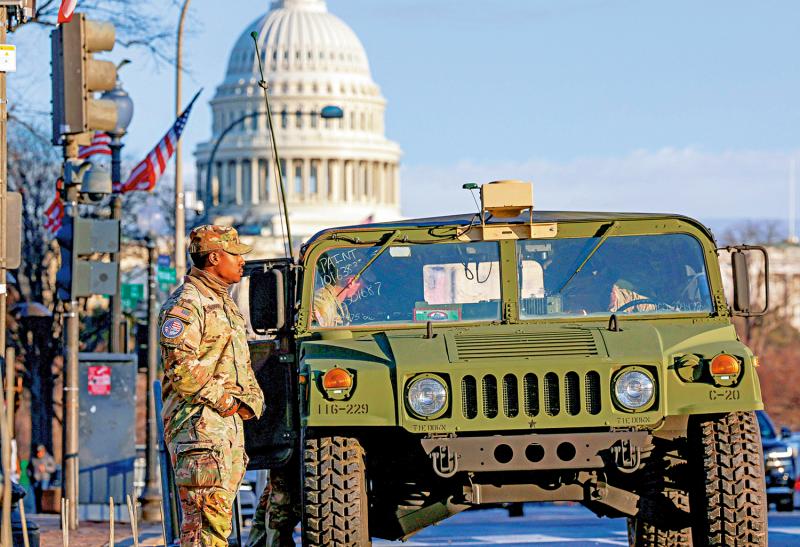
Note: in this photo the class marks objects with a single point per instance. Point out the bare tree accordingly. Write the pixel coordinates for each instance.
(33, 167)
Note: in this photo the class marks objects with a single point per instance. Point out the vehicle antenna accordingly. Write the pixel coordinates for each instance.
(262, 83)
(471, 186)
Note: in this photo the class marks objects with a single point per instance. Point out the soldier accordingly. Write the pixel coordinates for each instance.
(209, 386)
(278, 510)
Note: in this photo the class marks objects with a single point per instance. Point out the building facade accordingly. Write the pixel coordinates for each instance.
(336, 171)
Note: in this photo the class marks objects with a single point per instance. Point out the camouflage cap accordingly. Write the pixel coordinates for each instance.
(209, 237)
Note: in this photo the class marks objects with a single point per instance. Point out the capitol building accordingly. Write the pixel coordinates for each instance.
(336, 171)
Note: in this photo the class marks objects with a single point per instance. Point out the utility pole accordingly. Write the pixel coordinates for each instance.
(151, 497)
(180, 200)
(6, 523)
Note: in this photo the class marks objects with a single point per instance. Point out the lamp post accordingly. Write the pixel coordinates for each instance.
(124, 116)
(149, 222)
(180, 213)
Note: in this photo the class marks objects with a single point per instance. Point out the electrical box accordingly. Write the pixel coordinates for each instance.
(107, 384)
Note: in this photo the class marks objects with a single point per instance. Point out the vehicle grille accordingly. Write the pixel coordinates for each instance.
(551, 394)
(563, 343)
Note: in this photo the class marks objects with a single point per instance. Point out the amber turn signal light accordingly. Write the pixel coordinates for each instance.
(337, 378)
(724, 364)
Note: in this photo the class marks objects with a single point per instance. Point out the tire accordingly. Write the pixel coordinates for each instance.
(728, 497)
(335, 504)
(664, 519)
(785, 504)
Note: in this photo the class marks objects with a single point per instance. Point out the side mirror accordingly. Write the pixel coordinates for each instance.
(741, 280)
(267, 300)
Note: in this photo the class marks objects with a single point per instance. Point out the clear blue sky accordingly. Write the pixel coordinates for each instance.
(606, 104)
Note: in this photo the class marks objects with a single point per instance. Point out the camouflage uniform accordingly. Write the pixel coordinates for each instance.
(209, 387)
(278, 510)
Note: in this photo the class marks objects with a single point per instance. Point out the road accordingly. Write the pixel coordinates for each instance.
(555, 525)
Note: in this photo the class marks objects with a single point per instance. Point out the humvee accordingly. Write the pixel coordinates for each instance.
(418, 368)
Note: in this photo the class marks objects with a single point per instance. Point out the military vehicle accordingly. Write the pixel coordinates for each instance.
(418, 368)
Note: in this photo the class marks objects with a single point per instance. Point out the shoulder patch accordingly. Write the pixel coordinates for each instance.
(172, 328)
(181, 312)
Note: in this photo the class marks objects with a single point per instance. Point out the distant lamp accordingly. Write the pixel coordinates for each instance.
(124, 105)
(331, 112)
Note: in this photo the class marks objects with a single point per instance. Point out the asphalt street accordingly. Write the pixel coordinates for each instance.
(555, 525)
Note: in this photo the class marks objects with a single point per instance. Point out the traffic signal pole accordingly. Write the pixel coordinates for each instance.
(71, 401)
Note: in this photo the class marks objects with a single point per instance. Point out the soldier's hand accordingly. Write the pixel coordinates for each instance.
(245, 413)
(230, 405)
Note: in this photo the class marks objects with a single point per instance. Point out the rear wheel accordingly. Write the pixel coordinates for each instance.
(728, 497)
(335, 504)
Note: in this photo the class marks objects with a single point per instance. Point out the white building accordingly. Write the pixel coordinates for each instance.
(336, 172)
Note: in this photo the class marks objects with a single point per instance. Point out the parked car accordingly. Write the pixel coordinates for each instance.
(780, 470)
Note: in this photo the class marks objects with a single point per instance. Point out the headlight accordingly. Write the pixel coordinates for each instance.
(780, 454)
(427, 396)
(634, 389)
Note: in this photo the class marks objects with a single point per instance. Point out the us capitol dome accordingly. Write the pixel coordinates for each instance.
(336, 171)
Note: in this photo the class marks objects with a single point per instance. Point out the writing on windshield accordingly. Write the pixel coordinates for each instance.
(447, 282)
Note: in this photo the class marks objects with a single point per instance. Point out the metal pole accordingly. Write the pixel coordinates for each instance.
(8, 464)
(116, 213)
(180, 213)
(151, 497)
(6, 523)
(70, 465)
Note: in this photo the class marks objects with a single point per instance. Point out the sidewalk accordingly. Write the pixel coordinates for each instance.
(95, 534)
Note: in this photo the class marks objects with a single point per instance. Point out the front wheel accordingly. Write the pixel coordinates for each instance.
(335, 504)
(728, 497)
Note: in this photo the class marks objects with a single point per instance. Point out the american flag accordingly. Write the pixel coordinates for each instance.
(54, 212)
(144, 176)
(99, 145)
(66, 10)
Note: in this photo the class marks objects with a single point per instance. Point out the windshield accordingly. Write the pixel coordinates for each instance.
(448, 282)
(627, 274)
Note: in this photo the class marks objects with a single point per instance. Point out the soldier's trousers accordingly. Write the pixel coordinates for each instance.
(278, 510)
(209, 461)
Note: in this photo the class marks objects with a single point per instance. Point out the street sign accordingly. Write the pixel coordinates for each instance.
(166, 275)
(8, 58)
(163, 261)
(132, 294)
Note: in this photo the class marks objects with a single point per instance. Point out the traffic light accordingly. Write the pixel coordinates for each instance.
(79, 276)
(77, 76)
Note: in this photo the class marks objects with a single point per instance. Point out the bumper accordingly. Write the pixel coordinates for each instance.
(536, 452)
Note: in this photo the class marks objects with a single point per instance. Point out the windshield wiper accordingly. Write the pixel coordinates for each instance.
(606, 233)
(392, 237)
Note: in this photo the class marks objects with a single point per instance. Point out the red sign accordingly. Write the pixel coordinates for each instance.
(99, 380)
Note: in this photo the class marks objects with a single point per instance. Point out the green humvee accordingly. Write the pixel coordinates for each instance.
(419, 368)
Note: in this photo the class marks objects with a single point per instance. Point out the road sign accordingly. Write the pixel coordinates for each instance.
(132, 294)
(8, 58)
(166, 275)
(164, 261)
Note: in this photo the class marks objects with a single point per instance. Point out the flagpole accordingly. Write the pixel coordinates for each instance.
(180, 213)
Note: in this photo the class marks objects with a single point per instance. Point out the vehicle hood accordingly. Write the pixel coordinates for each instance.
(650, 342)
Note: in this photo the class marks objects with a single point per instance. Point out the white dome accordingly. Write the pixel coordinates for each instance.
(297, 36)
(336, 171)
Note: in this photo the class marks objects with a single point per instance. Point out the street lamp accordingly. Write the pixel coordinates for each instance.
(124, 116)
(151, 219)
(329, 112)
